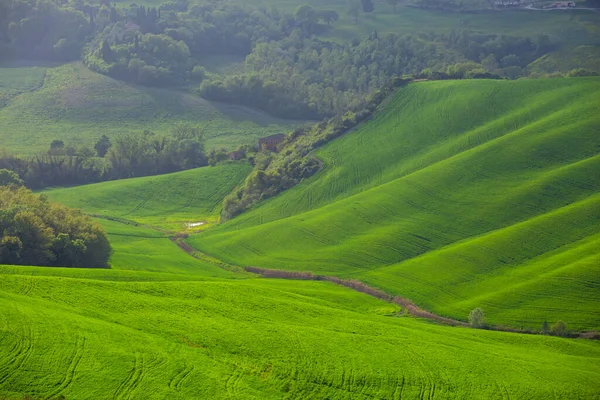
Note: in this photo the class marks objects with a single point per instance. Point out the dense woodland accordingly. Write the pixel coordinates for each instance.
(34, 231)
(288, 71)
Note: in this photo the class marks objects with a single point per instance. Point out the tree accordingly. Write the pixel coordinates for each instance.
(34, 231)
(477, 318)
(307, 17)
(8, 178)
(57, 148)
(559, 329)
(328, 16)
(102, 146)
(393, 3)
(545, 328)
(368, 6)
(57, 144)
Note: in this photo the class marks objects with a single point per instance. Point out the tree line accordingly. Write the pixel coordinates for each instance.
(34, 231)
(125, 156)
(288, 71)
(275, 172)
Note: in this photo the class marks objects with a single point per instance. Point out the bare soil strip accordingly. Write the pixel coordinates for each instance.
(359, 286)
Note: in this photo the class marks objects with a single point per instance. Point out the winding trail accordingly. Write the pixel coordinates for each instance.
(361, 287)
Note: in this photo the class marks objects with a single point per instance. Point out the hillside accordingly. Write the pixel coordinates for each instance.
(568, 58)
(154, 328)
(459, 194)
(73, 104)
(168, 201)
(161, 324)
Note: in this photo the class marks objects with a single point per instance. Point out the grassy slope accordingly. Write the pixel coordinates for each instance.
(161, 324)
(568, 58)
(459, 194)
(78, 106)
(168, 201)
(97, 337)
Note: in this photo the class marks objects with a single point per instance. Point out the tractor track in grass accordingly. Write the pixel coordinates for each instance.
(68, 377)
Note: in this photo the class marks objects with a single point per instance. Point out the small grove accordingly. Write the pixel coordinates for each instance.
(34, 231)
(125, 156)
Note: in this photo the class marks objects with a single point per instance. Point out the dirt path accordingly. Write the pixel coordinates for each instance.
(361, 287)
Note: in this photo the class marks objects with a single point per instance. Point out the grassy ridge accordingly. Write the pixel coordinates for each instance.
(457, 195)
(94, 338)
(78, 106)
(169, 201)
(568, 58)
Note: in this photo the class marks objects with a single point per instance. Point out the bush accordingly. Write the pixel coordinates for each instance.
(559, 329)
(477, 318)
(36, 232)
(8, 178)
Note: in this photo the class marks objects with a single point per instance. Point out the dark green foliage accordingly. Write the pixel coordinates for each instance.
(368, 6)
(545, 328)
(41, 29)
(36, 232)
(8, 178)
(131, 155)
(289, 73)
(149, 154)
(54, 170)
(559, 329)
(102, 146)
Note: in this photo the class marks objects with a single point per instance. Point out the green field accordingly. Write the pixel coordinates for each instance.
(568, 58)
(163, 325)
(459, 194)
(73, 104)
(165, 201)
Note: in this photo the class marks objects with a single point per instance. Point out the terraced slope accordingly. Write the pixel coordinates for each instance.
(168, 201)
(458, 194)
(73, 104)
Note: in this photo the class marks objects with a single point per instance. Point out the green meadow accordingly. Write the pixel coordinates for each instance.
(69, 102)
(166, 201)
(161, 324)
(457, 195)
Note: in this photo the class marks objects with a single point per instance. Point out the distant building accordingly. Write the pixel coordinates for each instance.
(236, 155)
(271, 142)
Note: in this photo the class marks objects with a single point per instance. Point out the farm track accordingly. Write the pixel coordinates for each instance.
(73, 364)
(361, 287)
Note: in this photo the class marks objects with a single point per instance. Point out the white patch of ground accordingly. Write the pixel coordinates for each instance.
(194, 224)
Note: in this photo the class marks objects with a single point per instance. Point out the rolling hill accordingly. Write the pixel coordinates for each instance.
(458, 194)
(167, 201)
(73, 104)
(143, 334)
(161, 324)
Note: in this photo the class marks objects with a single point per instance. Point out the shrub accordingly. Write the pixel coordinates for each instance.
(559, 329)
(8, 178)
(477, 318)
